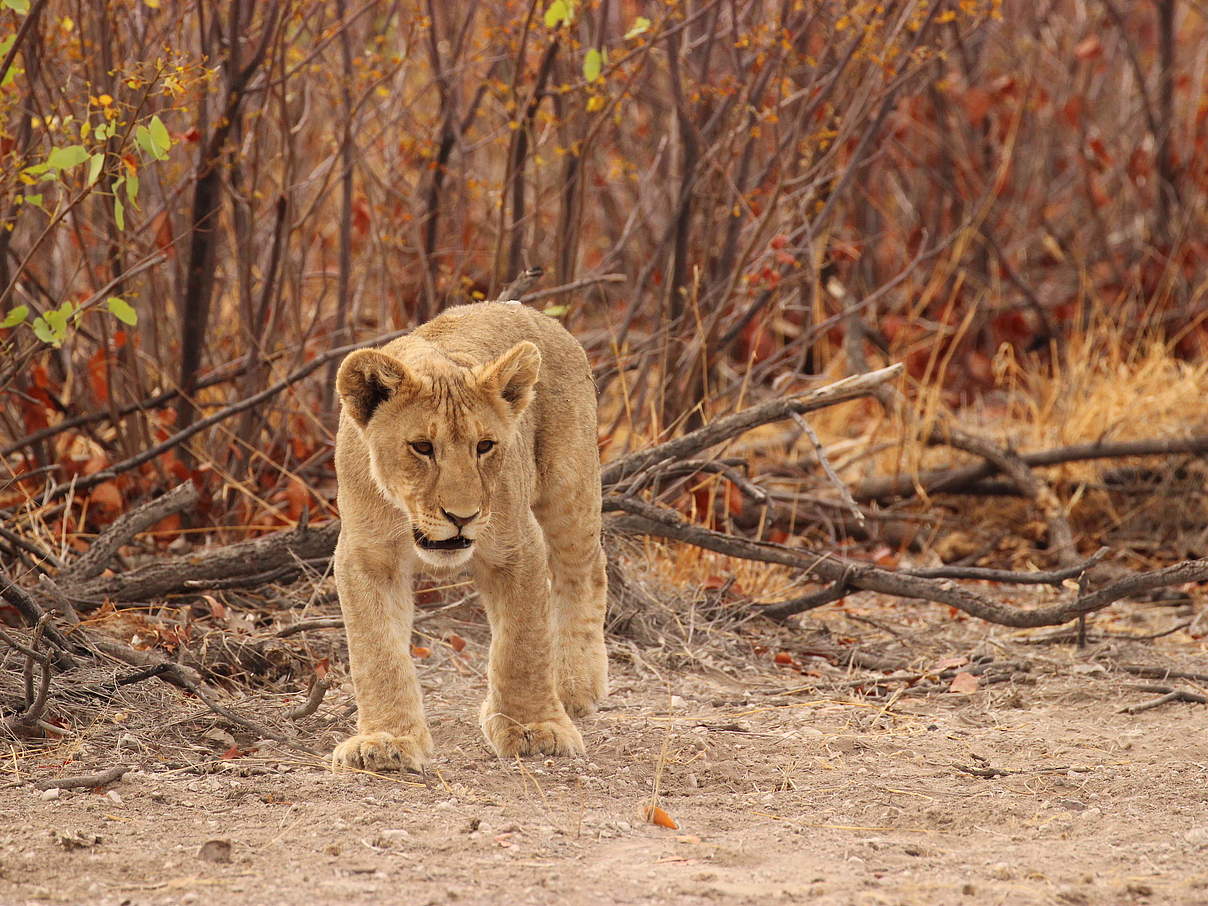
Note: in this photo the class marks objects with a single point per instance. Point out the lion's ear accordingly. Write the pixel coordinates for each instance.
(366, 379)
(513, 375)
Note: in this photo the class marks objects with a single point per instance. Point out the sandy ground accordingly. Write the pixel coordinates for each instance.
(785, 788)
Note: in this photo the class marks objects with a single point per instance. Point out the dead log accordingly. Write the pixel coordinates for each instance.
(647, 519)
(189, 573)
(94, 560)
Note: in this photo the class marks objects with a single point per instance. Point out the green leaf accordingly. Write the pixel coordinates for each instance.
(34, 199)
(56, 322)
(95, 164)
(558, 13)
(66, 158)
(20, 6)
(43, 332)
(640, 26)
(132, 185)
(144, 139)
(15, 316)
(122, 310)
(11, 72)
(556, 311)
(593, 62)
(159, 135)
(119, 213)
(101, 132)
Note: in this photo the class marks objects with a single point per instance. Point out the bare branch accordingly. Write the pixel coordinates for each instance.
(724, 428)
(645, 518)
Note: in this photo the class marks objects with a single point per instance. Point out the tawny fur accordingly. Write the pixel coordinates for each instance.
(531, 505)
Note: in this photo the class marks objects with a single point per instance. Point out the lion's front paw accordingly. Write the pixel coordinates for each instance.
(509, 737)
(383, 752)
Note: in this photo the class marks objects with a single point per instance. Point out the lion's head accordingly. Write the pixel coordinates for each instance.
(438, 431)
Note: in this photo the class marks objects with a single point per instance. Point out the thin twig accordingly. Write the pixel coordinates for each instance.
(572, 287)
(1170, 695)
(835, 480)
(315, 698)
(514, 291)
(226, 412)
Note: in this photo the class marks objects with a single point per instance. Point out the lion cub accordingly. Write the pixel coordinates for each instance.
(471, 442)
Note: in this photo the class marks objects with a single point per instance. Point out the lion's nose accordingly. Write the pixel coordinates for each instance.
(460, 521)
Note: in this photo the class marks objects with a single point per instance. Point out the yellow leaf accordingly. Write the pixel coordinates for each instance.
(595, 102)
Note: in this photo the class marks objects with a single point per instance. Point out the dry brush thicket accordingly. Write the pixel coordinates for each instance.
(953, 249)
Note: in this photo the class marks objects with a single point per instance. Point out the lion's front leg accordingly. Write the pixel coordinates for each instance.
(522, 714)
(375, 597)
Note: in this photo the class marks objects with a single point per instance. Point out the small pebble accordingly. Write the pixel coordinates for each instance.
(48, 795)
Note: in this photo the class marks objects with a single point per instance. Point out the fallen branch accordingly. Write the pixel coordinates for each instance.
(1061, 536)
(83, 781)
(35, 704)
(20, 599)
(189, 680)
(782, 610)
(192, 571)
(686, 468)
(1169, 695)
(305, 625)
(987, 574)
(732, 425)
(94, 560)
(961, 478)
(1162, 672)
(644, 518)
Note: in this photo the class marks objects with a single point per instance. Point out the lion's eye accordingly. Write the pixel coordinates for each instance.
(422, 447)
(485, 447)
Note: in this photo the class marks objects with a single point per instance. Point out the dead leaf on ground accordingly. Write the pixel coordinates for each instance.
(964, 684)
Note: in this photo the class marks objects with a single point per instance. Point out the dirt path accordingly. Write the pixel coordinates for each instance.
(826, 798)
